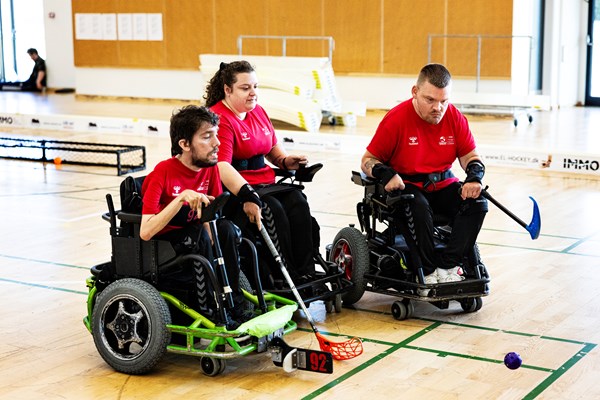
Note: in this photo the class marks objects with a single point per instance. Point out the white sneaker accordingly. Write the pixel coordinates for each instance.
(455, 274)
(430, 279)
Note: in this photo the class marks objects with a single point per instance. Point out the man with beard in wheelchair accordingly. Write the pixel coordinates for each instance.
(174, 194)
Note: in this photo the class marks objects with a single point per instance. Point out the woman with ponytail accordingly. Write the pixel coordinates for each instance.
(248, 140)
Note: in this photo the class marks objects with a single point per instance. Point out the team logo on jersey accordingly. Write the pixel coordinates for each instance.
(413, 140)
(245, 136)
(266, 131)
(176, 190)
(442, 141)
(203, 187)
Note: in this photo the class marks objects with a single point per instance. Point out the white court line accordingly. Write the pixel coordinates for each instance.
(65, 220)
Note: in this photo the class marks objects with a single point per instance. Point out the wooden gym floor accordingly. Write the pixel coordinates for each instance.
(542, 304)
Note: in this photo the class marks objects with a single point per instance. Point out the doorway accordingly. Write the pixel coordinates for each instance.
(21, 27)
(592, 86)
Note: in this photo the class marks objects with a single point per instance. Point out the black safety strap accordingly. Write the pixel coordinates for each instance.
(252, 163)
(428, 179)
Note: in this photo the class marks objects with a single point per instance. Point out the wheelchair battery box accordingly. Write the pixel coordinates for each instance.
(137, 258)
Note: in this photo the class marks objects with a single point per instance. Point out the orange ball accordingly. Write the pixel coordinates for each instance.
(57, 160)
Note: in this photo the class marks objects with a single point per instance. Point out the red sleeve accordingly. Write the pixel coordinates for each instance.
(152, 190)
(225, 133)
(215, 187)
(383, 144)
(465, 142)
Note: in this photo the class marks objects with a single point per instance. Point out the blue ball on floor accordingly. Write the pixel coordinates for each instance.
(512, 360)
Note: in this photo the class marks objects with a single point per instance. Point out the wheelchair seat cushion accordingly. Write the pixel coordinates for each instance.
(131, 195)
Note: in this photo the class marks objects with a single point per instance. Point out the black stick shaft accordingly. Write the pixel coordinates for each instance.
(488, 196)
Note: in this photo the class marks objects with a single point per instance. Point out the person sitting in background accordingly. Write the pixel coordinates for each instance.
(37, 79)
(248, 138)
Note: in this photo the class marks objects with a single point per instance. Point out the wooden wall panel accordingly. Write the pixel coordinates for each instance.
(356, 28)
(142, 54)
(240, 17)
(384, 36)
(94, 53)
(405, 40)
(481, 17)
(189, 31)
(298, 18)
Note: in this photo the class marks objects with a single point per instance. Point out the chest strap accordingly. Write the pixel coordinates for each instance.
(428, 179)
(252, 163)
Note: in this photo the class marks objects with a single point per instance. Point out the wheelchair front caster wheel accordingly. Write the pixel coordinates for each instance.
(212, 366)
(337, 303)
(402, 310)
(471, 304)
(328, 306)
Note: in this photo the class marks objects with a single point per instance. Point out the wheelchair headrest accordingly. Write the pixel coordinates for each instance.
(131, 194)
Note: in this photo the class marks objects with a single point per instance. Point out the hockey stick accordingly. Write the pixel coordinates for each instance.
(534, 226)
(339, 350)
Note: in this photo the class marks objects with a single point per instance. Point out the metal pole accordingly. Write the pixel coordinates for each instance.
(478, 64)
(283, 45)
(428, 49)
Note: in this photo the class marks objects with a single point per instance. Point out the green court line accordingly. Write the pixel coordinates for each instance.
(554, 373)
(559, 372)
(43, 261)
(370, 362)
(43, 286)
(578, 242)
(477, 358)
(538, 249)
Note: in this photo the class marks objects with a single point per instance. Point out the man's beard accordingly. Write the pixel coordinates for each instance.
(203, 164)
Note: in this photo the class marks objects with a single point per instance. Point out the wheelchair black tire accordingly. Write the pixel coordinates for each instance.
(245, 284)
(354, 241)
(140, 315)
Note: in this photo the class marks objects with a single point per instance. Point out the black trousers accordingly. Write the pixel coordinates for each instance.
(26, 86)
(466, 218)
(184, 242)
(295, 233)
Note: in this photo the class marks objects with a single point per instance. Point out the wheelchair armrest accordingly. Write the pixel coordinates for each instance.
(361, 179)
(284, 173)
(397, 196)
(129, 217)
(302, 174)
(306, 173)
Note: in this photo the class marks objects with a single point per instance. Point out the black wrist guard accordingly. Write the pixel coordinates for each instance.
(475, 171)
(246, 193)
(383, 172)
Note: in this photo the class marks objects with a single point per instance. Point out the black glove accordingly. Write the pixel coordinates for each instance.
(475, 171)
(383, 172)
(247, 193)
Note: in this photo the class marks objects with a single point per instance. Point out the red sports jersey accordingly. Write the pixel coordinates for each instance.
(242, 139)
(168, 179)
(411, 146)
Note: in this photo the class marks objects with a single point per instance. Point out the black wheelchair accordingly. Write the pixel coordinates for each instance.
(138, 307)
(382, 260)
(329, 282)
